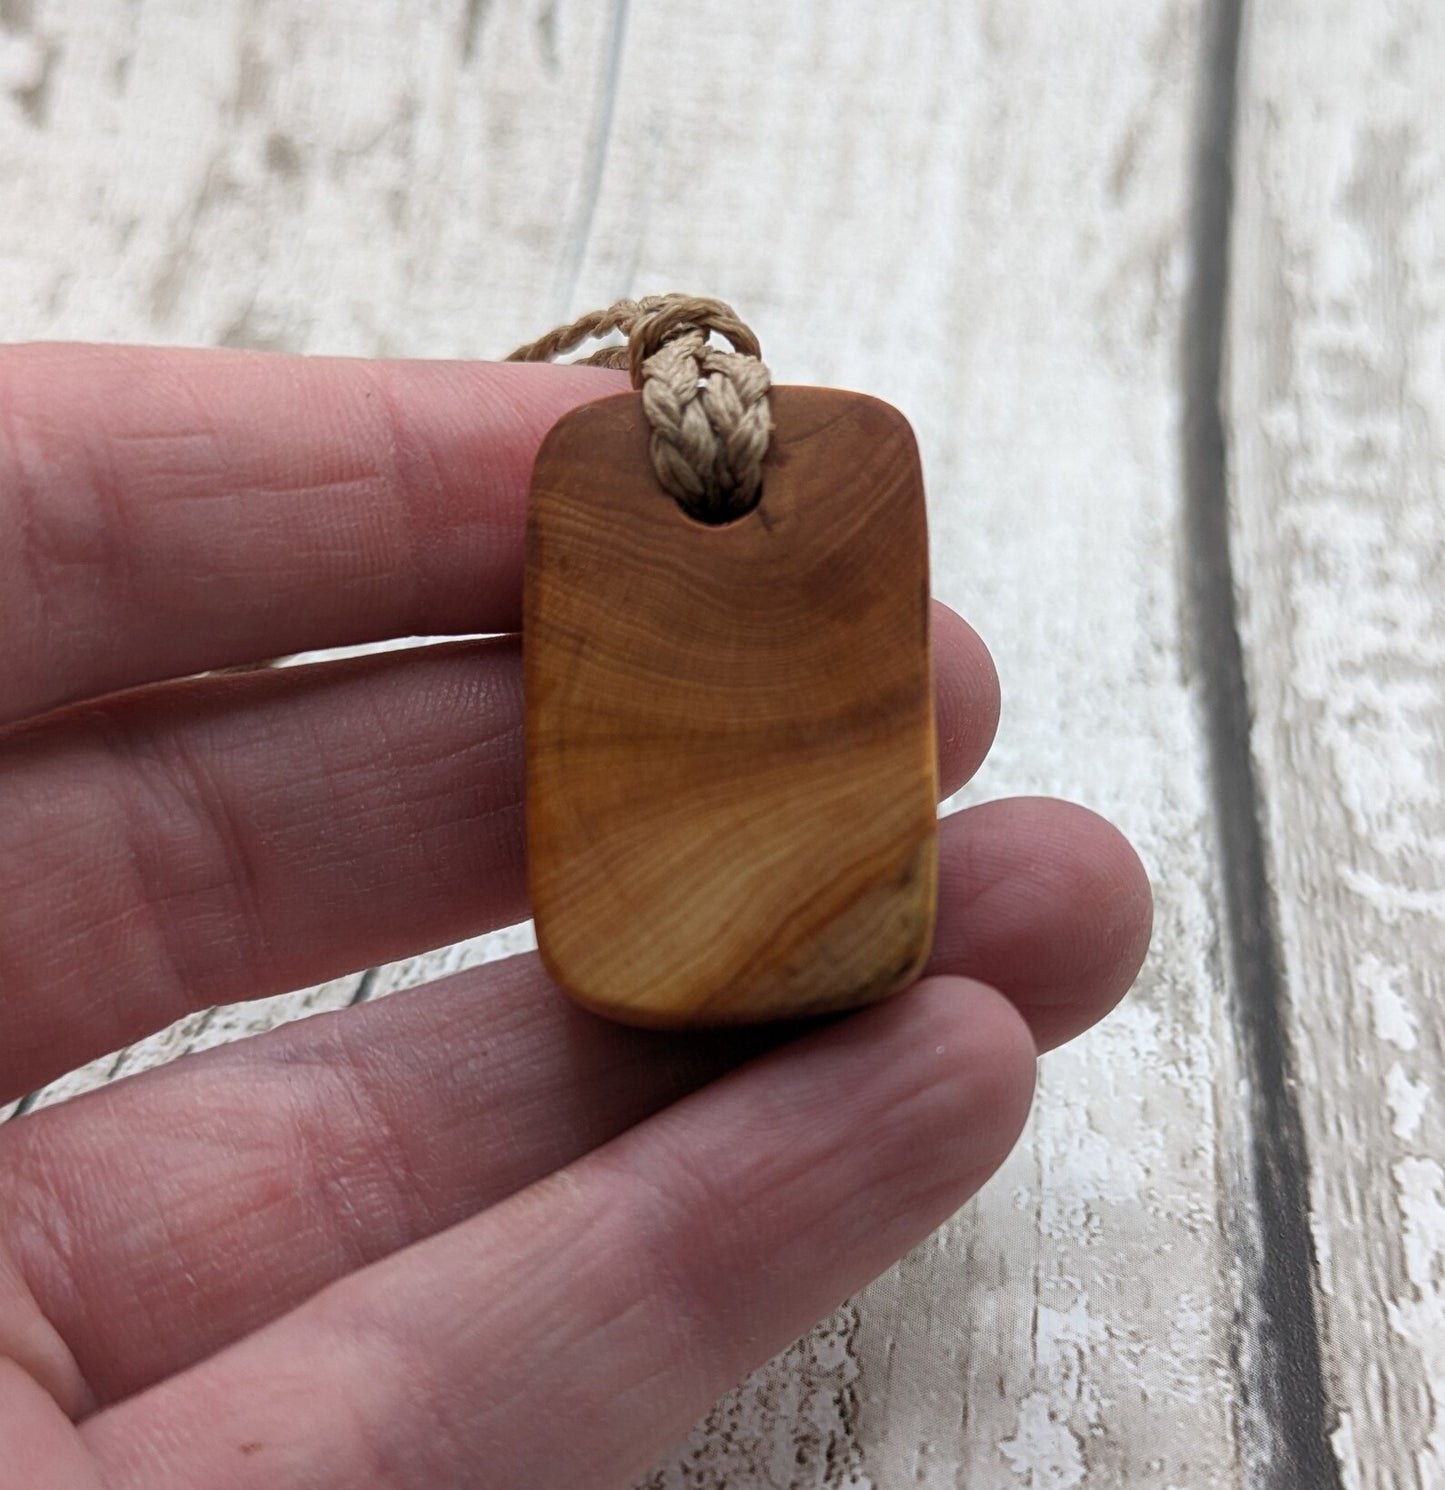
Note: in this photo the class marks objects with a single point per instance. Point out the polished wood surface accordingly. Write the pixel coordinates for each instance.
(731, 782)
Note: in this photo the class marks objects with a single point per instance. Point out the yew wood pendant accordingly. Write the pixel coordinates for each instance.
(731, 775)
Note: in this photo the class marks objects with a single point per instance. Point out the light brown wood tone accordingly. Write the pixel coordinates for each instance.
(731, 781)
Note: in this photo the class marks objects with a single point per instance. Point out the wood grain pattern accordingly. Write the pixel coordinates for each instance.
(731, 781)
(976, 210)
(1337, 413)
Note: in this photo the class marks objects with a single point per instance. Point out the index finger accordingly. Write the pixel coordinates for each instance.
(165, 512)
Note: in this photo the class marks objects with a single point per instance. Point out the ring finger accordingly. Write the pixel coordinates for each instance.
(229, 838)
(253, 1175)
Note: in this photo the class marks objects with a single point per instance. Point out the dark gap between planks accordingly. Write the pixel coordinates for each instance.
(1278, 1345)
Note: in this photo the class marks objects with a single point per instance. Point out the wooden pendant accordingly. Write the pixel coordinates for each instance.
(731, 774)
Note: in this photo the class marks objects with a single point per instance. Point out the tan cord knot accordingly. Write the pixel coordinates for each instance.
(708, 408)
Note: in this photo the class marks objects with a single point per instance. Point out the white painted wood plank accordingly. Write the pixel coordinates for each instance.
(197, 1031)
(972, 209)
(300, 178)
(1336, 406)
(906, 201)
(319, 177)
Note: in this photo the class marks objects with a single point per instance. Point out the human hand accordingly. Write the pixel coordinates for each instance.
(468, 1235)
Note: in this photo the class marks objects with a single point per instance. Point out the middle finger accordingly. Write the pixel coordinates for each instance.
(230, 838)
(157, 1220)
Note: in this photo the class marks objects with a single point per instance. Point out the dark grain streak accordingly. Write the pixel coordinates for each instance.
(253, 83)
(575, 249)
(175, 269)
(474, 19)
(245, 333)
(546, 25)
(34, 101)
(282, 156)
(365, 985)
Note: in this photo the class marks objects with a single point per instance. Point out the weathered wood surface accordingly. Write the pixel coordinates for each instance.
(1336, 405)
(979, 211)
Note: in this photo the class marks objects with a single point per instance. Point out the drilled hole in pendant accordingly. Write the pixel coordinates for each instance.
(719, 515)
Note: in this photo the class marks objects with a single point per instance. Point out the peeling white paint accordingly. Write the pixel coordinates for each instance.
(1393, 900)
(1420, 1318)
(1392, 1018)
(1337, 420)
(1342, 1441)
(1408, 1100)
(1044, 1453)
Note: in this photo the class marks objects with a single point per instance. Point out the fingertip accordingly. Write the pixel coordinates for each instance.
(1109, 885)
(1127, 919)
(1047, 901)
(984, 1045)
(966, 698)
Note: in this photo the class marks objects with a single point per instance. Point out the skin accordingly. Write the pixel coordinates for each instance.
(469, 1235)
